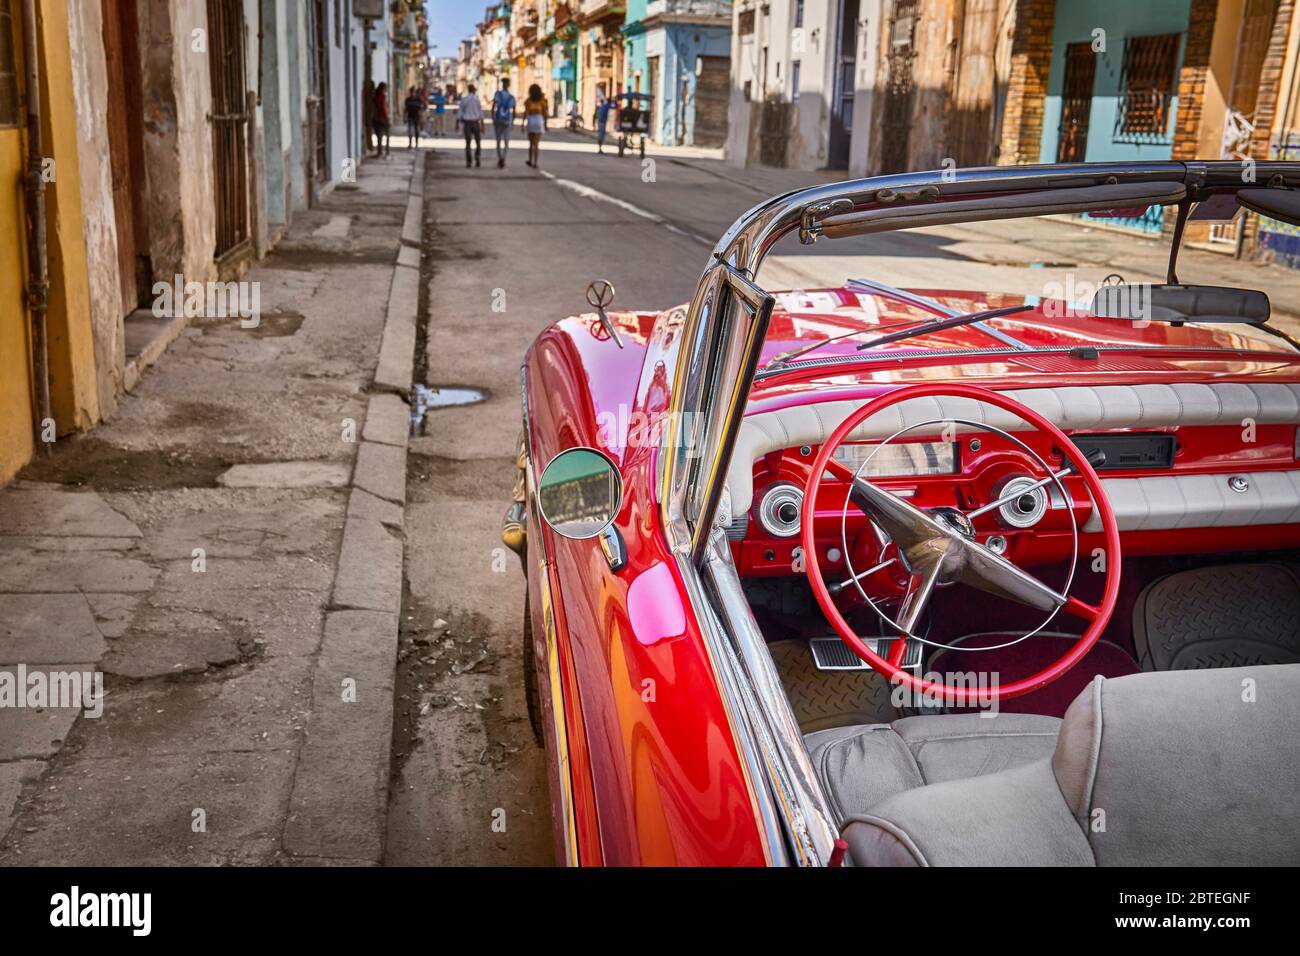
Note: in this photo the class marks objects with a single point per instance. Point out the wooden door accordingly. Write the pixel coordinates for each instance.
(125, 122)
(318, 83)
(900, 90)
(230, 125)
(655, 94)
(712, 99)
(1076, 103)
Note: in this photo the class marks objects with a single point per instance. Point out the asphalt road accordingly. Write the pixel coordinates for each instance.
(508, 251)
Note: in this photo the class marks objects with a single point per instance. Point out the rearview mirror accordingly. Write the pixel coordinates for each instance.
(1177, 304)
(579, 493)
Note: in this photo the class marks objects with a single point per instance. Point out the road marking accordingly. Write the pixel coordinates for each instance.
(597, 196)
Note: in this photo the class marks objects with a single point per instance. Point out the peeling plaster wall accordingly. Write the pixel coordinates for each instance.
(275, 90)
(89, 88)
(178, 140)
(257, 131)
(295, 66)
(336, 99)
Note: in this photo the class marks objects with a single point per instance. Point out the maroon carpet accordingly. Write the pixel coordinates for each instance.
(1028, 657)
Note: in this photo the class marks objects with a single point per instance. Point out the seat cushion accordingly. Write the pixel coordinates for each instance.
(1171, 768)
(1186, 768)
(1012, 818)
(861, 766)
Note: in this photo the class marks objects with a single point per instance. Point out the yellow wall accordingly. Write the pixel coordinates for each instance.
(15, 349)
(15, 391)
(72, 351)
(72, 363)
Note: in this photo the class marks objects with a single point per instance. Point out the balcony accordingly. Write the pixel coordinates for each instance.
(591, 10)
(700, 11)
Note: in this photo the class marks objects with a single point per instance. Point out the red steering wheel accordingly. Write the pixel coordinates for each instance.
(938, 549)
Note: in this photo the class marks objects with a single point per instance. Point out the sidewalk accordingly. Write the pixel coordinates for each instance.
(228, 553)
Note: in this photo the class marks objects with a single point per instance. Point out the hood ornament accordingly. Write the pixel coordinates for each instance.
(600, 294)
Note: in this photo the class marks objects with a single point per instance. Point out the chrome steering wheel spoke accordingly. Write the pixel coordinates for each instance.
(938, 547)
(994, 574)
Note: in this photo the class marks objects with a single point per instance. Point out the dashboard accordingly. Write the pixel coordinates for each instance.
(1175, 489)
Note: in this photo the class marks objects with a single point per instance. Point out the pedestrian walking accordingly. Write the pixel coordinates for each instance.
(414, 110)
(471, 124)
(382, 124)
(503, 115)
(368, 113)
(602, 122)
(439, 101)
(535, 123)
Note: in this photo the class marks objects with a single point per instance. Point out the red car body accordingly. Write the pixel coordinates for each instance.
(644, 768)
(669, 738)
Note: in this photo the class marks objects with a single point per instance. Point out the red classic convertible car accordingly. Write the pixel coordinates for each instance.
(869, 576)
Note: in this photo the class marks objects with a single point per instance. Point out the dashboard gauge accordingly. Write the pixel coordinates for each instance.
(779, 509)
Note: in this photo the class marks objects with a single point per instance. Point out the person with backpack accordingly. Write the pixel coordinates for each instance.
(503, 116)
(439, 101)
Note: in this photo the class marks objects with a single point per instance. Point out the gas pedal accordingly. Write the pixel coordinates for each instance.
(832, 654)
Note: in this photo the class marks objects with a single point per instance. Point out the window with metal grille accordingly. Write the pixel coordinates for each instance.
(10, 104)
(1147, 86)
(746, 23)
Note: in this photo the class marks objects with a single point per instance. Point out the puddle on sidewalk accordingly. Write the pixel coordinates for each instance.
(425, 398)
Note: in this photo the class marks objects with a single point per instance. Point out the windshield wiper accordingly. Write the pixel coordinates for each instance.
(935, 325)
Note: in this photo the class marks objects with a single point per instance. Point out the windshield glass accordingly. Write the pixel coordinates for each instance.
(1054, 264)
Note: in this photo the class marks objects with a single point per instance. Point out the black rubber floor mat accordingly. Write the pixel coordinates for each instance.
(1230, 615)
(823, 699)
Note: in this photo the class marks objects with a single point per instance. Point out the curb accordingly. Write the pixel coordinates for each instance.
(338, 809)
(135, 366)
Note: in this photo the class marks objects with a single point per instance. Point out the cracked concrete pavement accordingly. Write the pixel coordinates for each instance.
(189, 551)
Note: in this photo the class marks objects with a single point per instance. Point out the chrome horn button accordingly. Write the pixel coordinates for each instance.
(954, 520)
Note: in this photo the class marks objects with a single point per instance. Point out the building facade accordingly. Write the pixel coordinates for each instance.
(679, 51)
(801, 72)
(600, 52)
(176, 139)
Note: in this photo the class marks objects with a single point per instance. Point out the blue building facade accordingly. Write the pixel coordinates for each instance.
(1112, 92)
(664, 41)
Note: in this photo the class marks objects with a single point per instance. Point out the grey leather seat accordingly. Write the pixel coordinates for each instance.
(1183, 768)
(860, 766)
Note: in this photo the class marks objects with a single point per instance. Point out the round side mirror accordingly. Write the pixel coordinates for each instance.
(579, 493)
